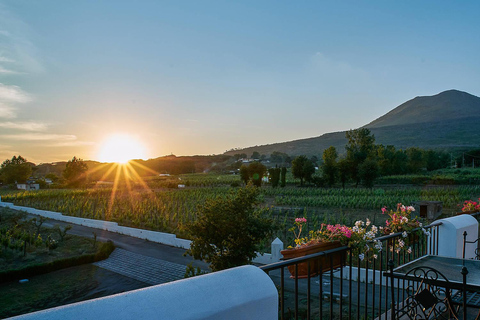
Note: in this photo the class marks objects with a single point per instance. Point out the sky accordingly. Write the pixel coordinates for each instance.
(203, 77)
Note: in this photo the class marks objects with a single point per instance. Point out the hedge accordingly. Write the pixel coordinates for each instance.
(103, 252)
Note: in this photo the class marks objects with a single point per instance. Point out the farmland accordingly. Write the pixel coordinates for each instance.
(157, 203)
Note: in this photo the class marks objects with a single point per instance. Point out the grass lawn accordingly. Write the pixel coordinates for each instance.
(62, 287)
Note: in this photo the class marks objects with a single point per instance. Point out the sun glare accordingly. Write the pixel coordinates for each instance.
(121, 148)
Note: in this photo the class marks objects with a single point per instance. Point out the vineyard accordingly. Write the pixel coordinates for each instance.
(164, 207)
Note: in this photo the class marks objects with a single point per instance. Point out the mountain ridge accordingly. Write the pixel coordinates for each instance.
(443, 121)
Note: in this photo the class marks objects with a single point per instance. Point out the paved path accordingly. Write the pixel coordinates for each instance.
(143, 268)
(139, 259)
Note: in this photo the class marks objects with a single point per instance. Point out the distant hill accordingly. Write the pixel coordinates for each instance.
(446, 121)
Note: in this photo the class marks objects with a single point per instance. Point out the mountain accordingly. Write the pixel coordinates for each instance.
(446, 121)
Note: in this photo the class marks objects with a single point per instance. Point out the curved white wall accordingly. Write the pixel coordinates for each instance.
(450, 241)
(235, 294)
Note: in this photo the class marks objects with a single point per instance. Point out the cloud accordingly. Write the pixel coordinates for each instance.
(71, 144)
(7, 112)
(39, 137)
(13, 94)
(26, 126)
(5, 59)
(7, 71)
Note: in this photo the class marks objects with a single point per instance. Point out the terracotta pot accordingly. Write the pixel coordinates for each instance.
(317, 266)
(466, 212)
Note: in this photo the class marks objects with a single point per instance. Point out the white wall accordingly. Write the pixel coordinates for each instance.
(154, 236)
(235, 294)
(450, 240)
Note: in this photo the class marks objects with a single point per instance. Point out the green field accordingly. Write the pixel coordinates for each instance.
(158, 205)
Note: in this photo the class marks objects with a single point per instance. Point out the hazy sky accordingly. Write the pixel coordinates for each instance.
(201, 77)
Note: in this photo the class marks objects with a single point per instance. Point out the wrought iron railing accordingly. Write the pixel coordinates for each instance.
(356, 290)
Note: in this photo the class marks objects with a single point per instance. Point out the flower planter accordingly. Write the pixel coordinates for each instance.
(466, 212)
(317, 266)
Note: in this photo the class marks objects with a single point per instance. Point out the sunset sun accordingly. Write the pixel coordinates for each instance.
(121, 148)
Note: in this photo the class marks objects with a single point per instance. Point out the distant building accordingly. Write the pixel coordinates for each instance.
(28, 186)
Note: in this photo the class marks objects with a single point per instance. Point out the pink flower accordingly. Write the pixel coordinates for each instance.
(384, 209)
(300, 220)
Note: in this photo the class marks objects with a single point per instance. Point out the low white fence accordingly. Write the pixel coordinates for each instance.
(154, 236)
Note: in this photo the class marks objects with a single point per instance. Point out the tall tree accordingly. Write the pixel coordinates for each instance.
(415, 160)
(360, 145)
(303, 169)
(257, 171)
(254, 172)
(283, 177)
(228, 231)
(15, 170)
(255, 155)
(244, 175)
(75, 172)
(329, 167)
(344, 171)
(368, 172)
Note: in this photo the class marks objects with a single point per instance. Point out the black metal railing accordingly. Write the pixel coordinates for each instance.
(354, 290)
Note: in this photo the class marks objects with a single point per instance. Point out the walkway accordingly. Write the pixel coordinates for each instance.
(142, 268)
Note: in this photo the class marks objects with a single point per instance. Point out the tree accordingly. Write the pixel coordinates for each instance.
(228, 231)
(74, 172)
(344, 171)
(329, 167)
(361, 144)
(302, 168)
(254, 172)
(283, 177)
(274, 176)
(15, 170)
(256, 155)
(415, 160)
(244, 175)
(368, 172)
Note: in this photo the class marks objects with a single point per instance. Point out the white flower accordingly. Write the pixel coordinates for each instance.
(361, 256)
(420, 224)
(368, 222)
(374, 229)
(404, 234)
(375, 256)
(359, 223)
(409, 250)
(401, 243)
(355, 229)
(410, 208)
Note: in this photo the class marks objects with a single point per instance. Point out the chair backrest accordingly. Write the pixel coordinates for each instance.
(428, 295)
(465, 241)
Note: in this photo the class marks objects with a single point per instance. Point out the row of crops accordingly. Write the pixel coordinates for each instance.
(360, 198)
(164, 211)
(168, 210)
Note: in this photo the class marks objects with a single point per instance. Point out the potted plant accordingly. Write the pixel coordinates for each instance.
(401, 220)
(359, 238)
(470, 206)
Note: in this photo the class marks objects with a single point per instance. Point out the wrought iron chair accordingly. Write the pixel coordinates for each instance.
(428, 296)
(471, 299)
(465, 241)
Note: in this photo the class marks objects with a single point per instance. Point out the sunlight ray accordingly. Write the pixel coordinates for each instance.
(114, 190)
(133, 162)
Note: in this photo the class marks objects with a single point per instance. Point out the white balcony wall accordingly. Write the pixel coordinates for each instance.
(236, 294)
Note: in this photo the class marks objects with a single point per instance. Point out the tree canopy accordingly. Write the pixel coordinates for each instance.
(302, 168)
(75, 172)
(16, 169)
(254, 172)
(229, 229)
